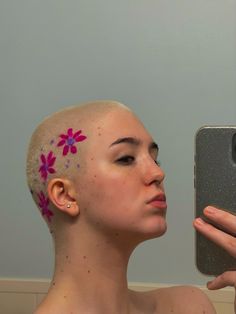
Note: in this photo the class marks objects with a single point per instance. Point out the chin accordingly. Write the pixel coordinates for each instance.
(157, 230)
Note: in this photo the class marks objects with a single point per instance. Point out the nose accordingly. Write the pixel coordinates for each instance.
(153, 173)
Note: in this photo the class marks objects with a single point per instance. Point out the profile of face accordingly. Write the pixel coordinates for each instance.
(122, 189)
(97, 164)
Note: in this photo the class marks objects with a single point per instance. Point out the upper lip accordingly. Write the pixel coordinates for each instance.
(158, 197)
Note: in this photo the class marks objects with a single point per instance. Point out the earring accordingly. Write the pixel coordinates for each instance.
(68, 205)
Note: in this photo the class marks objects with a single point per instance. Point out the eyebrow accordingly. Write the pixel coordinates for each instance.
(134, 141)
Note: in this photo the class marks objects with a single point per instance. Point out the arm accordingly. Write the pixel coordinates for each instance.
(226, 241)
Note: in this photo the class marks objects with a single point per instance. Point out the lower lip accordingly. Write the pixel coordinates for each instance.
(158, 204)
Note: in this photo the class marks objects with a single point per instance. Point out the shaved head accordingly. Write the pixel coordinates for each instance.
(58, 147)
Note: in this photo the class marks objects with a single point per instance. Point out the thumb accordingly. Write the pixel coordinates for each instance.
(224, 280)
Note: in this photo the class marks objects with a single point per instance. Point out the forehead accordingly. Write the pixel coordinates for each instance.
(119, 123)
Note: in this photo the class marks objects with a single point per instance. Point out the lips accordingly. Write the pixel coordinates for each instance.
(158, 201)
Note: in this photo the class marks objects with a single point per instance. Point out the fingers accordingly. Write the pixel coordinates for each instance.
(219, 237)
(222, 217)
(226, 279)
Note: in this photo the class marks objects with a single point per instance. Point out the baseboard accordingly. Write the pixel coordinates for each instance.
(21, 296)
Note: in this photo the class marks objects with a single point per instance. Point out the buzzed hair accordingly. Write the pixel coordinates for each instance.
(58, 146)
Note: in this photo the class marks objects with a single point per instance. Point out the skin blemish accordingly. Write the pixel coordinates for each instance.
(53, 283)
(89, 271)
(84, 257)
(67, 164)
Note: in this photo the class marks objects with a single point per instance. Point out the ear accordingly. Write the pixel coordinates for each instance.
(62, 194)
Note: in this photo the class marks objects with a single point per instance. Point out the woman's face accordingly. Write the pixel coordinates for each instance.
(121, 190)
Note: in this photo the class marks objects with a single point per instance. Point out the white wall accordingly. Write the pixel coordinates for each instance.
(172, 61)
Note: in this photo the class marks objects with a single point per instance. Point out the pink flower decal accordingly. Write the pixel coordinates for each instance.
(46, 165)
(68, 141)
(43, 204)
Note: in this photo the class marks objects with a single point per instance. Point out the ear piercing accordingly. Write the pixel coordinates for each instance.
(68, 205)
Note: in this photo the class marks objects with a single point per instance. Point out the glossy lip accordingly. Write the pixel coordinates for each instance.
(158, 201)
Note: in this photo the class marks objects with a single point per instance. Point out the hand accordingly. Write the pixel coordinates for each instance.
(225, 240)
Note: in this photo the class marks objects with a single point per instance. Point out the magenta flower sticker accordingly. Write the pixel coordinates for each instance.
(46, 166)
(43, 204)
(69, 140)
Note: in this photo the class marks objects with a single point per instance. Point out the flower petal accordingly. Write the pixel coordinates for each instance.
(64, 136)
(81, 138)
(77, 134)
(51, 162)
(43, 158)
(73, 149)
(62, 142)
(49, 156)
(51, 170)
(70, 132)
(65, 150)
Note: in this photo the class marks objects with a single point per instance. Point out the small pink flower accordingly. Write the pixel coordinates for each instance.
(69, 140)
(46, 165)
(43, 204)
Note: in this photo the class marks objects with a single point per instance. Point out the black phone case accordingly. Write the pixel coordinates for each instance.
(215, 184)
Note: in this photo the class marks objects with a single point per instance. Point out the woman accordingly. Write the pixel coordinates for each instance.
(94, 175)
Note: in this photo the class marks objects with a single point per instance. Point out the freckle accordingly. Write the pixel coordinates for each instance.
(99, 134)
(89, 271)
(84, 257)
(64, 296)
(67, 256)
(95, 176)
(91, 158)
(53, 283)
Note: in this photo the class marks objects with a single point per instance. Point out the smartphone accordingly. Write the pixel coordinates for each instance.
(215, 184)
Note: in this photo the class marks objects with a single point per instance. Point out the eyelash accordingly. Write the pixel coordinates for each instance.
(127, 160)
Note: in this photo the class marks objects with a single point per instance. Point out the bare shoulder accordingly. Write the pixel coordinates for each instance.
(183, 300)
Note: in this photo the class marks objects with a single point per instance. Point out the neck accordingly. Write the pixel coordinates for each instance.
(91, 273)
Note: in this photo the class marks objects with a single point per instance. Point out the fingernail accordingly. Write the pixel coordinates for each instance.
(199, 221)
(210, 210)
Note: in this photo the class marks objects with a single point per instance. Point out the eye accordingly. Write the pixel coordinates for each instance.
(157, 162)
(126, 160)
